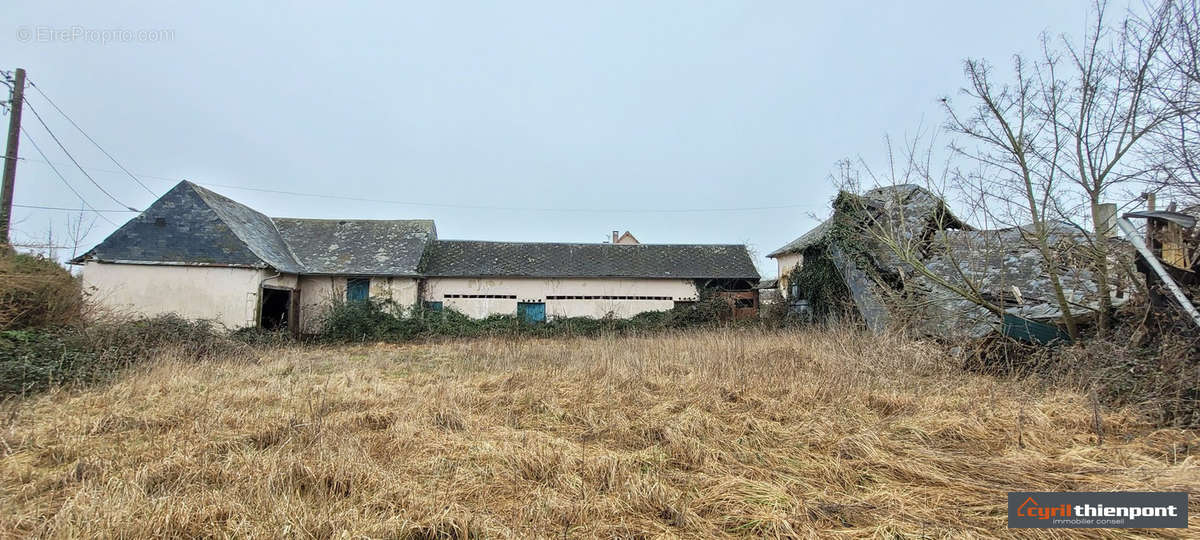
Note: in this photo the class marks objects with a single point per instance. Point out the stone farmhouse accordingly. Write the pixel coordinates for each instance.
(201, 255)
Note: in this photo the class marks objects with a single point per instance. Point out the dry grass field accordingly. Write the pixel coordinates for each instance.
(697, 435)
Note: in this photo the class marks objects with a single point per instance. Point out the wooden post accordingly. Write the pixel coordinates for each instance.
(10, 157)
(1151, 225)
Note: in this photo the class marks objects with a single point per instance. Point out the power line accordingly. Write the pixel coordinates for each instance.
(43, 246)
(466, 206)
(102, 169)
(63, 178)
(73, 160)
(40, 207)
(89, 137)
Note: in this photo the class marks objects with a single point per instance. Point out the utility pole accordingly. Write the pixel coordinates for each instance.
(10, 156)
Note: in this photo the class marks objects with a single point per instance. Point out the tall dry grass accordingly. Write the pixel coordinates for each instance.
(696, 435)
(37, 292)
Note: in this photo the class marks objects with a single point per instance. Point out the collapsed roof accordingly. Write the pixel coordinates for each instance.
(877, 239)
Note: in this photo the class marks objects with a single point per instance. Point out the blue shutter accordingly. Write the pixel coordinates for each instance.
(357, 289)
(531, 312)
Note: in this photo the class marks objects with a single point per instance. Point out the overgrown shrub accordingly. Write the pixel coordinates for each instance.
(142, 338)
(34, 359)
(1159, 369)
(36, 292)
(31, 360)
(1163, 373)
(383, 320)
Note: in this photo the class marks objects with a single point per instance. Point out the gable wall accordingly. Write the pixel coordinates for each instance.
(787, 263)
(227, 296)
(537, 289)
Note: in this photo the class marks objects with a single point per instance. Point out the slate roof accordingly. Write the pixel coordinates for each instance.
(366, 247)
(469, 258)
(810, 238)
(192, 225)
(257, 231)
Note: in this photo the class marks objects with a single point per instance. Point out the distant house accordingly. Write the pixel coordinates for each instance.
(627, 239)
(202, 255)
(790, 257)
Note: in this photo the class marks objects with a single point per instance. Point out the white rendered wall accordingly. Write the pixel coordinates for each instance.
(227, 296)
(538, 289)
(317, 294)
(787, 263)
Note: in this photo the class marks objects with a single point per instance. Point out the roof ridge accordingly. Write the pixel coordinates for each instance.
(205, 194)
(287, 245)
(430, 220)
(586, 243)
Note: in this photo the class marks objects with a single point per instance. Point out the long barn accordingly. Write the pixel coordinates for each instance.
(201, 255)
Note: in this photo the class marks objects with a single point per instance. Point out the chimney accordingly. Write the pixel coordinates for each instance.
(616, 235)
(1106, 218)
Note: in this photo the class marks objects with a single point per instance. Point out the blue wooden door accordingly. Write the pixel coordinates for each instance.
(531, 312)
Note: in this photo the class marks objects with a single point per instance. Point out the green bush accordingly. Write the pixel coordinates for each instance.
(383, 320)
(31, 360)
(35, 359)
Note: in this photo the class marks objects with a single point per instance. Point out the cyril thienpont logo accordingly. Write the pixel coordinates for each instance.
(1062, 510)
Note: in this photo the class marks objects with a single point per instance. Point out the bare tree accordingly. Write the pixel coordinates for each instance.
(1076, 122)
(1017, 147)
(1111, 109)
(1175, 152)
(79, 227)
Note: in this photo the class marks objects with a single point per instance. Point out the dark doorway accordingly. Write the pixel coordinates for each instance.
(276, 307)
(743, 304)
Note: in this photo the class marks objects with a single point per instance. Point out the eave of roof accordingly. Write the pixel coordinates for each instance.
(814, 236)
(81, 260)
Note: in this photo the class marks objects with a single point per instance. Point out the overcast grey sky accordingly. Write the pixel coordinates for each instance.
(617, 115)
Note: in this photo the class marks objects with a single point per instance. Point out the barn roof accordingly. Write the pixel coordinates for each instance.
(190, 225)
(358, 246)
(466, 258)
(814, 236)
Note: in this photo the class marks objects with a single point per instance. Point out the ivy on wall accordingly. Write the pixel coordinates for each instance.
(819, 282)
